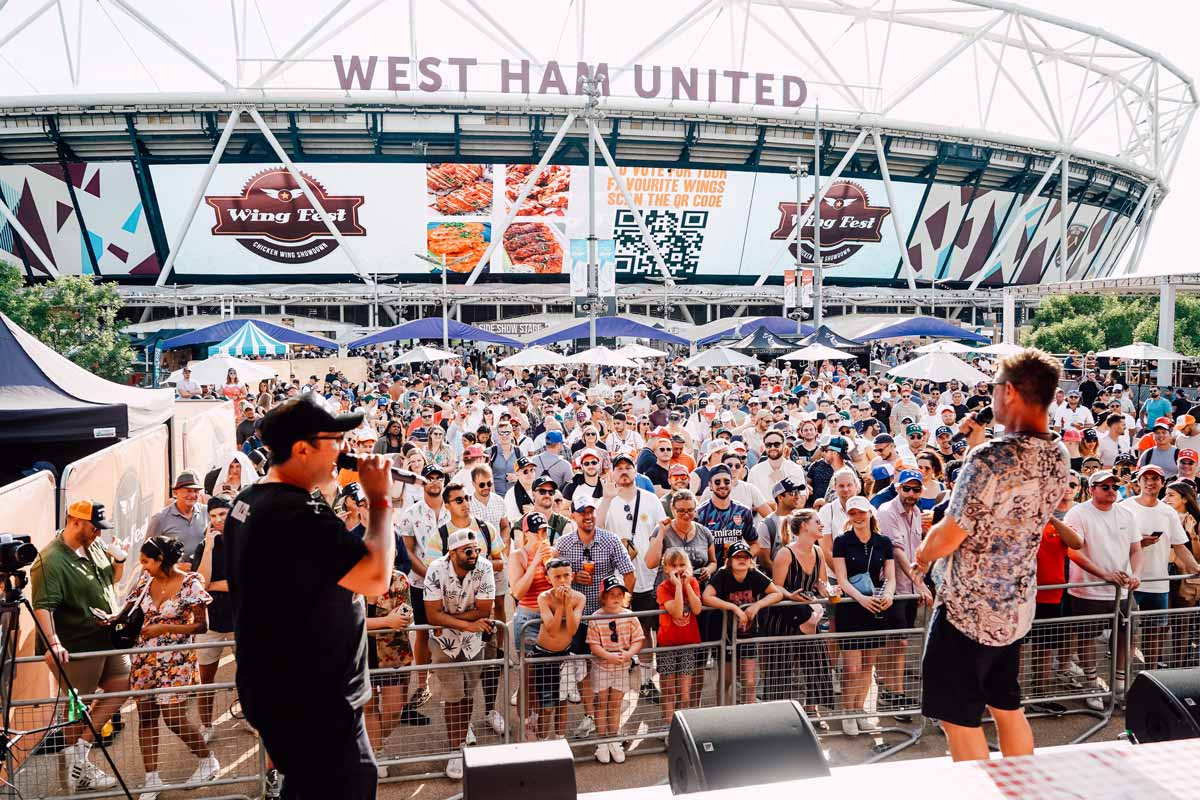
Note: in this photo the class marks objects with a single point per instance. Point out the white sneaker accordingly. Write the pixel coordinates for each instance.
(617, 751)
(602, 753)
(496, 720)
(206, 733)
(850, 727)
(585, 728)
(83, 775)
(207, 770)
(454, 768)
(470, 740)
(151, 787)
(1095, 703)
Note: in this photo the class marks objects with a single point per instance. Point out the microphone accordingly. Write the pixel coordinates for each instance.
(350, 461)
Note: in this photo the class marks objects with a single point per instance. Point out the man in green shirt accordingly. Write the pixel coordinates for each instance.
(73, 575)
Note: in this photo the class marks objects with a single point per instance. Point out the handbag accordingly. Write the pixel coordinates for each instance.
(862, 581)
(126, 627)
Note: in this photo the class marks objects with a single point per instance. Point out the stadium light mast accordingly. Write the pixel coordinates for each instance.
(591, 86)
(818, 311)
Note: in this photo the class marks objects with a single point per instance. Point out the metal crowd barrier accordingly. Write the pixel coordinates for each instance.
(810, 668)
(544, 679)
(235, 744)
(1162, 638)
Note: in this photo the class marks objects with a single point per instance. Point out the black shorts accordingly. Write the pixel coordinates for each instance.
(960, 676)
(417, 596)
(579, 645)
(646, 601)
(906, 612)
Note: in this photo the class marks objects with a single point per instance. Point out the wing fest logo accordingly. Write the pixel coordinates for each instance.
(848, 221)
(275, 218)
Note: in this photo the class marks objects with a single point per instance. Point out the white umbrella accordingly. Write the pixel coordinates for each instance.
(640, 351)
(213, 370)
(940, 367)
(720, 357)
(817, 352)
(944, 346)
(1001, 349)
(601, 356)
(421, 354)
(1142, 351)
(534, 356)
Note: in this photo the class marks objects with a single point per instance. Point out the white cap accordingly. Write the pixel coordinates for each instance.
(461, 538)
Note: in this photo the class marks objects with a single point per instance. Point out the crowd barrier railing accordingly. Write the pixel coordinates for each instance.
(1161, 638)
(43, 774)
(823, 671)
(688, 677)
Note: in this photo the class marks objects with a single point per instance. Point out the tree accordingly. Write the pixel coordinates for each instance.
(1187, 326)
(75, 315)
(1079, 333)
(1097, 322)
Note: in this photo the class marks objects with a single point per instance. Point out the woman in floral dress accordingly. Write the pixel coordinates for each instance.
(175, 604)
(388, 647)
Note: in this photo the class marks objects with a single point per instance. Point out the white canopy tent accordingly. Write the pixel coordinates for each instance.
(1142, 351)
(818, 352)
(636, 350)
(720, 357)
(422, 354)
(940, 367)
(601, 356)
(944, 346)
(534, 356)
(213, 371)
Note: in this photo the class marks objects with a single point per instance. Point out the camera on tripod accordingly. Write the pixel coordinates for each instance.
(16, 552)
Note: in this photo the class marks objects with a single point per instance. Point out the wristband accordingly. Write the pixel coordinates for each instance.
(383, 502)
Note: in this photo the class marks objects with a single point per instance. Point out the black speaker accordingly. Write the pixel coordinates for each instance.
(724, 748)
(1163, 705)
(542, 770)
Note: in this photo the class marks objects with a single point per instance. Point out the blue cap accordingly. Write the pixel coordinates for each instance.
(884, 438)
(554, 437)
(959, 446)
(907, 475)
(881, 472)
(943, 429)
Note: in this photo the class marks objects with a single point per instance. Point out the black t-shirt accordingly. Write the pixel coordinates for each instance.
(285, 554)
(882, 411)
(220, 610)
(245, 430)
(575, 485)
(749, 590)
(977, 400)
(657, 475)
(878, 548)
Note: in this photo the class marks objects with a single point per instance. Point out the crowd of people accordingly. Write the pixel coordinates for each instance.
(558, 500)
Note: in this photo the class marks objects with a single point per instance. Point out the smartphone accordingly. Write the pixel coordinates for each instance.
(1156, 534)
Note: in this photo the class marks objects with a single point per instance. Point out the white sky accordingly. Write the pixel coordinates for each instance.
(33, 63)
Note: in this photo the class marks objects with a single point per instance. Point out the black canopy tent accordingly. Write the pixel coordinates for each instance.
(53, 410)
(831, 338)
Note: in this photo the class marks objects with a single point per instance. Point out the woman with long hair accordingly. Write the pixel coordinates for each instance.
(440, 453)
(233, 388)
(866, 574)
(800, 571)
(175, 605)
(1185, 592)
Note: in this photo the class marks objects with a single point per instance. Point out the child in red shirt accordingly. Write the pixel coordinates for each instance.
(679, 598)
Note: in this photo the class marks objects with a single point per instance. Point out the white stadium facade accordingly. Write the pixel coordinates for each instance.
(311, 159)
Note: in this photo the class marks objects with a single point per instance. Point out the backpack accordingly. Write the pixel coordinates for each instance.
(444, 532)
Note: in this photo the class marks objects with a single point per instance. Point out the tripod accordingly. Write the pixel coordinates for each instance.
(12, 584)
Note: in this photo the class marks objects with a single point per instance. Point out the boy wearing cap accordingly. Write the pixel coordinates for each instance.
(614, 641)
(459, 593)
(185, 519)
(72, 575)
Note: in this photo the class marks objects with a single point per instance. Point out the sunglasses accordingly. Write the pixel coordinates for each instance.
(1108, 487)
(471, 551)
(612, 630)
(720, 482)
(545, 491)
(589, 463)
(910, 489)
(685, 510)
(662, 449)
(481, 484)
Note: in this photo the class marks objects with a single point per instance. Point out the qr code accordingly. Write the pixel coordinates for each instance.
(678, 234)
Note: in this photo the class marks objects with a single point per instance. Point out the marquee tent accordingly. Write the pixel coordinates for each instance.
(44, 397)
(223, 330)
(249, 340)
(763, 342)
(718, 357)
(431, 328)
(421, 355)
(737, 328)
(611, 327)
(929, 327)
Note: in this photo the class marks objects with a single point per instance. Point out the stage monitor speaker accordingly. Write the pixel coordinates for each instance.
(541, 770)
(724, 748)
(1163, 705)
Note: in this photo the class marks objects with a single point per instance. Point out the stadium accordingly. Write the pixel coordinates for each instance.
(317, 160)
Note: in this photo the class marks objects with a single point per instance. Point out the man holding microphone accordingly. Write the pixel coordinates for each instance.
(1007, 491)
(295, 576)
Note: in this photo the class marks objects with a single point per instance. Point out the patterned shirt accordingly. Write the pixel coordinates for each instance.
(727, 525)
(605, 551)
(1008, 489)
(421, 522)
(458, 596)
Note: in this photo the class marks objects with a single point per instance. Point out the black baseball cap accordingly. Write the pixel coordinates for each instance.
(431, 470)
(301, 418)
(613, 582)
(523, 462)
(542, 480)
(737, 548)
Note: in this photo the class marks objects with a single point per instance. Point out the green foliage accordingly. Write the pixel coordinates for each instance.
(1097, 322)
(75, 315)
